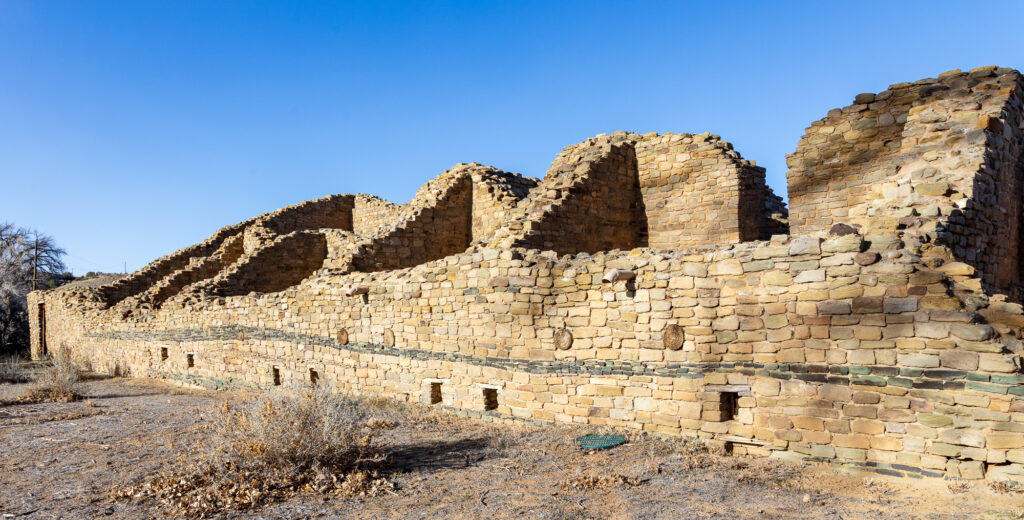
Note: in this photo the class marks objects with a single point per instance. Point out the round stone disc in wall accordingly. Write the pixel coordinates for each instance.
(343, 337)
(673, 337)
(563, 339)
(389, 338)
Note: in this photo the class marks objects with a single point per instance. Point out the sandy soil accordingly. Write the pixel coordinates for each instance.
(64, 460)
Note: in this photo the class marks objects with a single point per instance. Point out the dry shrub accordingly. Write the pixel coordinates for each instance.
(959, 486)
(278, 444)
(58, 380)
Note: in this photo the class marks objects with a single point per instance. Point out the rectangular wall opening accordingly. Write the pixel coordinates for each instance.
(163, 354)
(190, 360)
(42, 328)
(490, 399)
(314, 376)
(730, 405)
(277, 376)
(722, 402)
(435, 393)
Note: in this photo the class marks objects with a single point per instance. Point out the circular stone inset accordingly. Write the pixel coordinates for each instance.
(673, 337)
(563, 339)
(343, 337)
(389, 338)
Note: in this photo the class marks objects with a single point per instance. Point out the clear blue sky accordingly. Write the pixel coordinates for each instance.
(131, 129)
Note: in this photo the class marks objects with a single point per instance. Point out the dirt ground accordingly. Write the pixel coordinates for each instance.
(65, 460)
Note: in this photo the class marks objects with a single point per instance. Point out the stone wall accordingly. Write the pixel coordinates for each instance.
(940, 155)
(589, 200)
(446, 214)
(495, 196)
(890, 342)
(624, 190)
(698, 191)
(371, 214)
(828, 351)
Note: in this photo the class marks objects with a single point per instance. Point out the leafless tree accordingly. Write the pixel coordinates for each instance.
(29, 260)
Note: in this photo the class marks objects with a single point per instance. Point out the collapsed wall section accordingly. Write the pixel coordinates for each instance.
(371, 214)
(987, 233)
(278, 265)
(161, 279)
(444, 217)
(495, 196)
(588, 201)
(154, 272)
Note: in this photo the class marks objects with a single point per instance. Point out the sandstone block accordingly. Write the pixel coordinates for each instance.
(844, 244)
(775, 278)
(972, 470)
(805, 246)
(972, 332)
(959, 359)
(898, 305)
(1004, 440)
(726, 267)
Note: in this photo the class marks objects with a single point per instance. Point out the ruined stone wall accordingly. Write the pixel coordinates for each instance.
(624, 190)
(937, 156)
(201, 268)
(698, 191)
(282, 263)
(436, 223)
(371, 214)
(495, 196)
(890, 342)
(333, 212)
(813, 348)
(987, 231)
(588, 201)
(151, 274)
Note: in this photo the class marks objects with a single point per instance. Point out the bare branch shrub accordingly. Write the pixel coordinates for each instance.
(282, 442)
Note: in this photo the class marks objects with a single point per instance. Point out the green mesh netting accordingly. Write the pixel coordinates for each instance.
(599, 442)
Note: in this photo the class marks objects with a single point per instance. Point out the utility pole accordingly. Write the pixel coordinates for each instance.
(35, 258)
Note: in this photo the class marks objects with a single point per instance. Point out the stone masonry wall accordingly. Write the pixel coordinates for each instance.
(825, 348)
(937, 155)
(495, 195)
(624, 190)
(436, 223)
(890, 342)
(371, 214)
(986, 232)
(697, 191)
(589, 200)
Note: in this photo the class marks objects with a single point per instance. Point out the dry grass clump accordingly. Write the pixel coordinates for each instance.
(1004, 486)
(58, 380)
(278, 444)
(12, 370)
